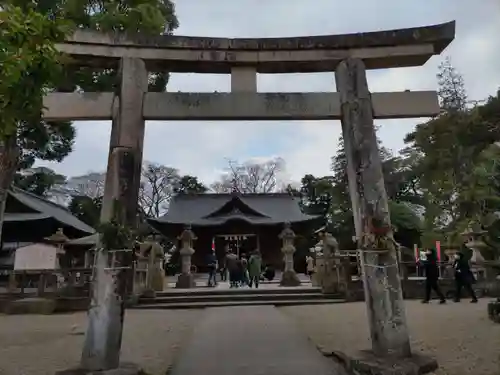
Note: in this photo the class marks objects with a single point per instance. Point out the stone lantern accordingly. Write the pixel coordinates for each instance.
(58, 240)
(289, 277)
(472, 235)
(186, 278)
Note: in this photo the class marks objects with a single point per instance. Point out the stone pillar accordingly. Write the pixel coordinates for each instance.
(382, 285)
(41, 285)
(331, 278)
(127, 132)
(155, 276)
(243, 79)
(101, 350)
(186, 278)
(289, 277)
(111, 285)
(12, 282)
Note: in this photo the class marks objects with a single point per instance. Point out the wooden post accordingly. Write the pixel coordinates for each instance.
(382, 286)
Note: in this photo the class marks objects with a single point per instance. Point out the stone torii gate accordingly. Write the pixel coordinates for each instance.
(348, 56)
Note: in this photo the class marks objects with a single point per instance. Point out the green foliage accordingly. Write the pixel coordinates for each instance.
(189, 185)
(30, 65)
(403, 191)
(39, 182)
(456, 163)
(316, 195)
(39, 139)
(115, 235)
(407, 224)
(86, 209)
(151, 17)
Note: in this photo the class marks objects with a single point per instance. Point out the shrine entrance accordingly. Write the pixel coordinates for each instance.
(347, 56)
(240, 244)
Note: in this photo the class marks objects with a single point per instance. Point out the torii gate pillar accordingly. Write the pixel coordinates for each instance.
(123, 173)
(382, 284)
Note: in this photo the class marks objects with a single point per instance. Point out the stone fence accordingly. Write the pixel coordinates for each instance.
(66, 289)
(341, 275)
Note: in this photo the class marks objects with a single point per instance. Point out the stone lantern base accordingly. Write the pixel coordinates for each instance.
(185, 281)
(494, 310)
(290, 278)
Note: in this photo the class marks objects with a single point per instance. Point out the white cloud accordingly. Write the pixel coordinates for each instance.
(200, 148)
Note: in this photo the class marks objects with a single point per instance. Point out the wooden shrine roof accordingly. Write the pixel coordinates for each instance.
(219, 209)
(33, 208)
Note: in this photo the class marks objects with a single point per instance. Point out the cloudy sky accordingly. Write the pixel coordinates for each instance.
(202, 148)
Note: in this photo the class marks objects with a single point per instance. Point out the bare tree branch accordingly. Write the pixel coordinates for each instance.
(251, 177)
(157, 187)
(90, 185)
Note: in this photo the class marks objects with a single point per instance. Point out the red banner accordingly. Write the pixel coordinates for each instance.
(417, 254)
(438, 250)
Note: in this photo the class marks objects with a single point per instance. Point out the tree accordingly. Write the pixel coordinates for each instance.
(316, 195)
(31, 66)
(41, 23)
(150, 17)
(189, 185)
(39, 181)
(446, 152)
(251, 177)
(89, 185)
(451, 92)
(86, 209)
(158, 184)
(402, 190)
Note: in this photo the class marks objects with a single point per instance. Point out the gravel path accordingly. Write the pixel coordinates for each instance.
(460, 337)
(43, 344)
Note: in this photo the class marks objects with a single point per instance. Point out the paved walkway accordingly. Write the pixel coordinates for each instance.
(257, 340)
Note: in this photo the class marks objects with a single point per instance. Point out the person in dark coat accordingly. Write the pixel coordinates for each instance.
(212, 268)
(432, 276)
(269, 273)
(464, 277)
(232, 267)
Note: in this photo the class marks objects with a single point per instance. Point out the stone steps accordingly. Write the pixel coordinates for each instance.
(207, 291)
(240, 297)
(203, 305)
(224, 296)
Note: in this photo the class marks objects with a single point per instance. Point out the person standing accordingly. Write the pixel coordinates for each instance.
(309, 265)
(432, 276)
(232, 267)
(223, 267)
(464, 277)
(255, 269)
(212, 268)
(244, 270)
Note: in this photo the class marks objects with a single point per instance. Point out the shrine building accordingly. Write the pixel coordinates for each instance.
(244, 222)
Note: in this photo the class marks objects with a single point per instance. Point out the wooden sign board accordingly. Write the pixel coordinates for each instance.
(36, 257)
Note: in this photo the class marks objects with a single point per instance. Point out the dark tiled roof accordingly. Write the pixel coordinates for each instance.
(44, 209)
(91, 240)
(263, 209)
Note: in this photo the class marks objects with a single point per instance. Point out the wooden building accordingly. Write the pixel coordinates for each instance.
(31, 219)
(244, 222)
